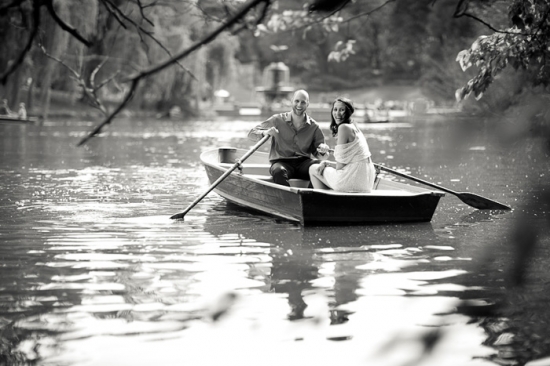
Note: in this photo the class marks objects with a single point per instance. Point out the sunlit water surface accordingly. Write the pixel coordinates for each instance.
(94, 272)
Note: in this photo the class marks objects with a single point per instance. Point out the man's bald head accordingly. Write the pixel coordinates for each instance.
(300, 102)
(301, 92)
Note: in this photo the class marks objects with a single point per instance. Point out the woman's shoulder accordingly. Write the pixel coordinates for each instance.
(346, 129)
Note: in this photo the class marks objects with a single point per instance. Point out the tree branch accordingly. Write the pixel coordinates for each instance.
(320, 19)
(73, 71)
(252, 4)
(491, 27)
(331, 6)
(107, 80)
(262, 16)
(481, 21)
(110, 117)
(135, 79)
(21, 57)
(90, 92)
(141, 31)
(114, 13)
(141, 7)
(367, 13)
(66, 27)
(95, 71)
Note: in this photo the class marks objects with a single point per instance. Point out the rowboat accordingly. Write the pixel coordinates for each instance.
(4, 118)
(252, 187)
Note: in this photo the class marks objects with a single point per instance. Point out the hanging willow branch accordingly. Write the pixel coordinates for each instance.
(135, 79)
(90, 91)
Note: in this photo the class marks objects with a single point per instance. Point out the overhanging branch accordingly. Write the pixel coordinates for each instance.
(89, 91)
(120, 16)
(34, 30)
(110, 117)
(66, 27)
(135, 79)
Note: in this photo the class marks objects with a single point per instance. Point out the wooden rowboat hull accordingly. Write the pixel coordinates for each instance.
(253, 188)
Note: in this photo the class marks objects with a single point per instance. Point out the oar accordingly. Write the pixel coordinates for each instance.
(181, 215)
(471, 199)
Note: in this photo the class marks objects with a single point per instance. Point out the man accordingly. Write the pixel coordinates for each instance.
(295, 137)
(5, 109)
(22, 113)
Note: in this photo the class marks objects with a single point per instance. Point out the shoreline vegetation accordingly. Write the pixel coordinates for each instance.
(66, 105)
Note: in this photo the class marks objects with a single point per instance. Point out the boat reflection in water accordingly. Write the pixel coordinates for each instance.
(304, 258)
(395, 282)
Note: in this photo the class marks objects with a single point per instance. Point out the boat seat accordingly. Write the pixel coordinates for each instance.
(266, 178)
(390, 192)
(250, 165)
(376, 192)
(245, 164)
(296, 183)
(246, 168)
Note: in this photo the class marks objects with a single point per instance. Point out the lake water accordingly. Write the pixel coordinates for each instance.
(94, 272)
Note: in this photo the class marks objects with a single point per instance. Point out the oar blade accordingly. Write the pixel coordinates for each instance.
(481, 203)
(178, 216)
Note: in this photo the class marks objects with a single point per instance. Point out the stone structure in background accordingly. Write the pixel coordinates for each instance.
(276, 90)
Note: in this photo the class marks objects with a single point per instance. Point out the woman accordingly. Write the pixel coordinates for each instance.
(22, 113)
(354, 170)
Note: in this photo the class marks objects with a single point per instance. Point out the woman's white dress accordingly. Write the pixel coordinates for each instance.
(359, 173)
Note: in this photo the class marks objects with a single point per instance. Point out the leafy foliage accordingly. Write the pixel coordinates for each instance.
(124, 37)
(368, 42)
(524, 44)
(342, 51)
(327, 44)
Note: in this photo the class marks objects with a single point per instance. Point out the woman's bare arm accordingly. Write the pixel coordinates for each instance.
(345, 135)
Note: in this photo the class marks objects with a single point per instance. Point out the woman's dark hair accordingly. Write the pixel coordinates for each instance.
(347, 118)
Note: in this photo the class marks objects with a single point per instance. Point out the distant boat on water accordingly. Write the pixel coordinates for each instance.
(14, 119)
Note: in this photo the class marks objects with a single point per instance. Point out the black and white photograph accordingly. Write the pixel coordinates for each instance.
(274, 182)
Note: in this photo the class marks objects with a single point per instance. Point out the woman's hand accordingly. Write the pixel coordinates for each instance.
(321, 168)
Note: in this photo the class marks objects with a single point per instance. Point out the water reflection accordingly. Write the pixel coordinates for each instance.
(336, 259)
(113, 282)
(333, 278)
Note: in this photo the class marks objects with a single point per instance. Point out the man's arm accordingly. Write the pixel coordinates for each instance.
(319, 144)
(256, 133)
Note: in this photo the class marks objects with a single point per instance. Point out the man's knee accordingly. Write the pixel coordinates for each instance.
(280, 174)
(279, 170)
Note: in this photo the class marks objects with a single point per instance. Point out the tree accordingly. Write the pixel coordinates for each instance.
(445, 37)
(138, 40)
(334, 44)
(323, 34)
(524, 44)
(407, 43)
